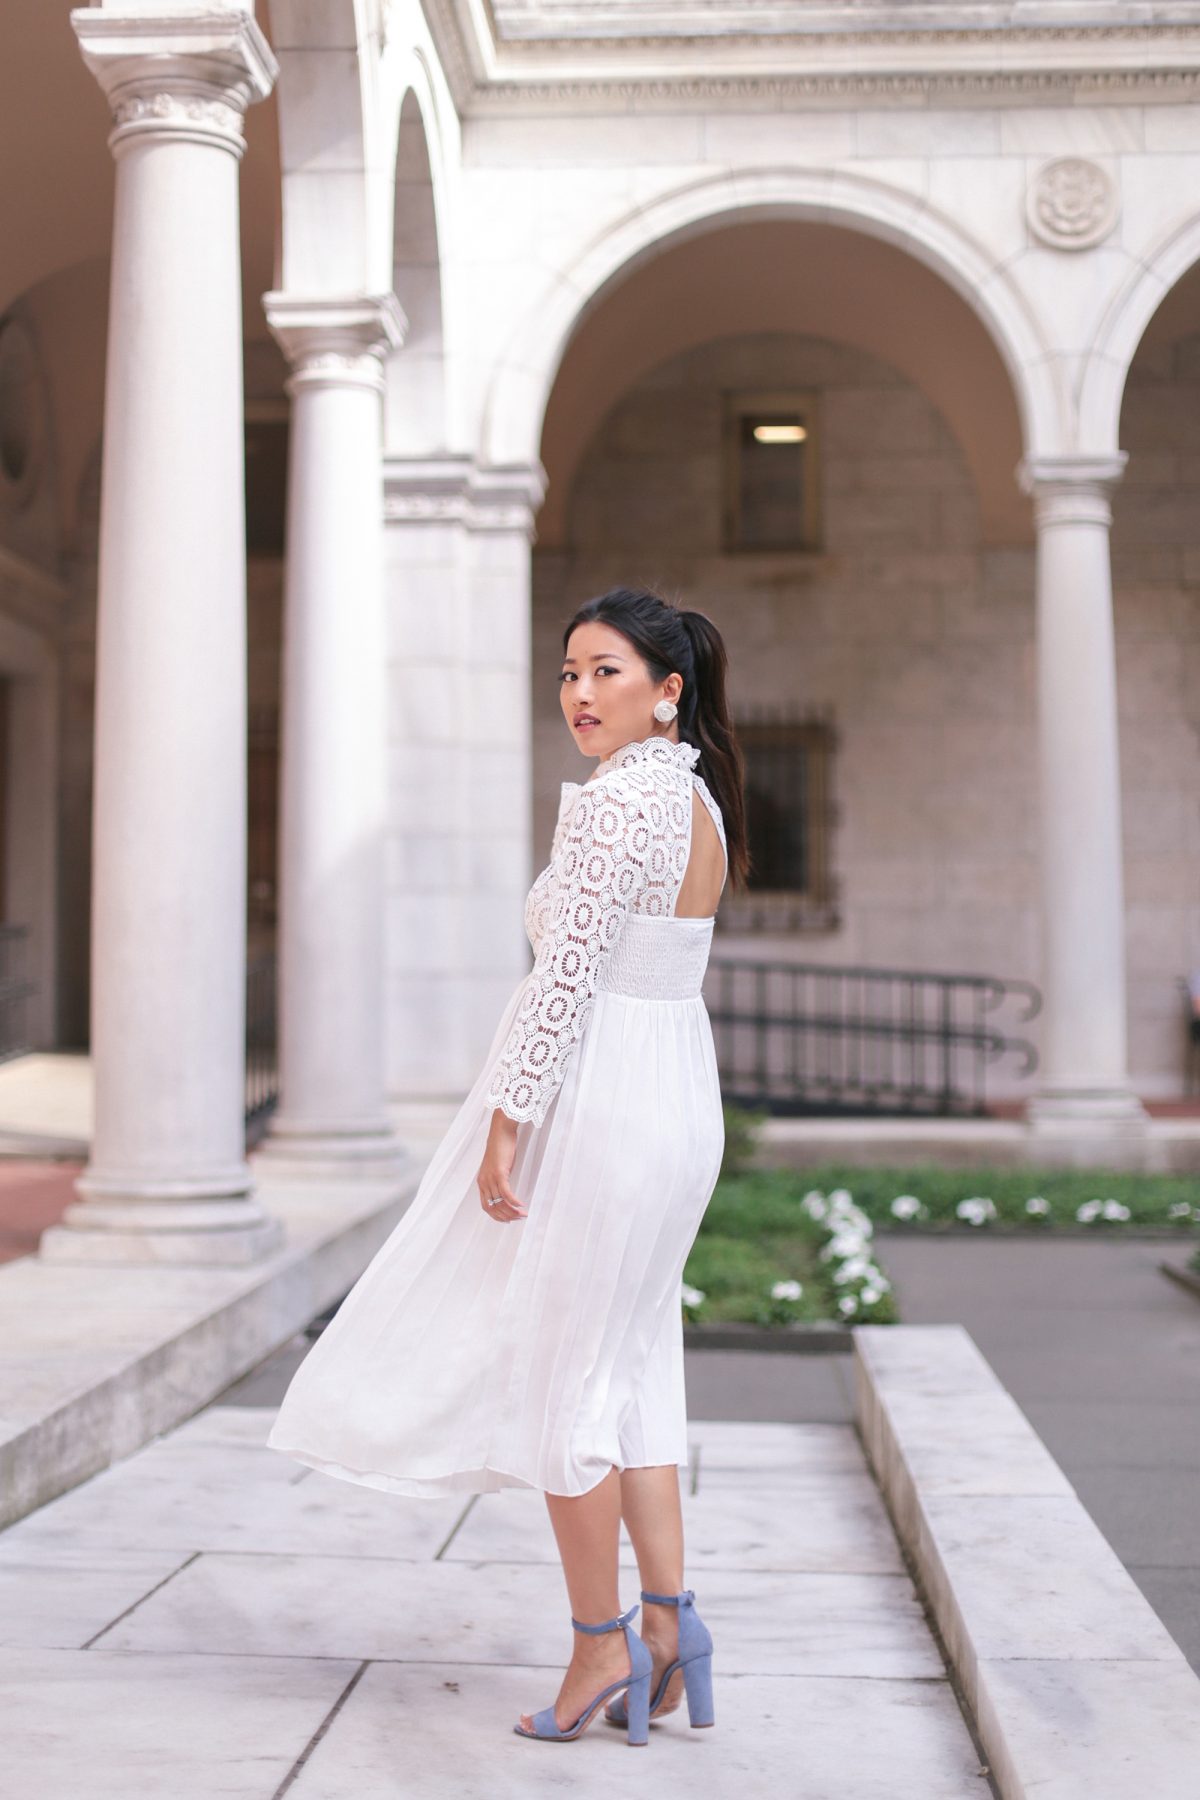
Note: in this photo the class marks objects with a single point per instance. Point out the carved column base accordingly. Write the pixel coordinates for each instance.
(1090, 1110)
(304, 1151)
(178, 1231)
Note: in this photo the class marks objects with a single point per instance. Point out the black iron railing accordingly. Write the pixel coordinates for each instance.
(811, 1038)
(262, 1064)
(15, 990)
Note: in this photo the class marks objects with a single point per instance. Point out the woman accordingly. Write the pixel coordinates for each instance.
(522, 1325)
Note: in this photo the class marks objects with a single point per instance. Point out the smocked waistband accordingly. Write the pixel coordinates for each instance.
(658, 958)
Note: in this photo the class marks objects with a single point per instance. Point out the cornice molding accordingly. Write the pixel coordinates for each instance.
(1024, 39)
(459, 490)
(777, 93)
(509, 22)
(489, 75)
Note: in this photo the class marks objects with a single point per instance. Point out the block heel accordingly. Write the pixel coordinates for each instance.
(697, 1685)
(694, 1658)
(636, 1699)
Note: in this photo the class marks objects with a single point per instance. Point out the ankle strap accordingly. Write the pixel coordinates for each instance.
(609, 1624)
(684, 1599)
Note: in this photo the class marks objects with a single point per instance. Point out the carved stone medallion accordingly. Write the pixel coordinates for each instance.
(1072, 203)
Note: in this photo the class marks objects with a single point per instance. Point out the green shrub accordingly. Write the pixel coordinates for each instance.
(741, 1138)
(760, 1234)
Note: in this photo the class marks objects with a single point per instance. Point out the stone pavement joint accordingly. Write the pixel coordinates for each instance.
(204, 1617)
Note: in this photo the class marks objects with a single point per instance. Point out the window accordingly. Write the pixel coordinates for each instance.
(789, 819)
(770, 453)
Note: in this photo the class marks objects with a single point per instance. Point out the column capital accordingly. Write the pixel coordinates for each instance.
(437, 490)
(335, 340)
(175, 76)
(1072, 489)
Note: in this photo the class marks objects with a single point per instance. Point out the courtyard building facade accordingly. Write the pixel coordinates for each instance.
(346, 348)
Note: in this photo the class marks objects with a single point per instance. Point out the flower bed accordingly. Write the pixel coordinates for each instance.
(928, 1196)
(1096, 1200)
(781, 1247)
(772, 1250)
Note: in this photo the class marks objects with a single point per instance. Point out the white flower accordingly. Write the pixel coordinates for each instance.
(852, 1268)
(1114, 1209)
(1037, 1205)
(869, 1295)
(906, 1206)
(786, 1290)
(692, 1296)
(1180, 1210)
(846, 1243)
(1087, 1212)
(840, 1199)
(814, 1204)
(976, 1209)
(848, 1303)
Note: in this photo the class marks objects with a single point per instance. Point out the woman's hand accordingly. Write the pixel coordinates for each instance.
(496, 1167)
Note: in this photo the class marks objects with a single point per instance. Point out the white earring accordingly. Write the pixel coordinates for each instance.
(665, 711)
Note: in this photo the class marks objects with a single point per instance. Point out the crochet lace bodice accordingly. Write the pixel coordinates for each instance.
(621, 846)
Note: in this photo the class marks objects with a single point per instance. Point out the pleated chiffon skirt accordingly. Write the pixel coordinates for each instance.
(472, 1354)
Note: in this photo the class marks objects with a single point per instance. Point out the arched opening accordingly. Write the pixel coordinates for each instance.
(1156, 615)
(892, 654)
(785, 276)
(515, 404)
(415, 405)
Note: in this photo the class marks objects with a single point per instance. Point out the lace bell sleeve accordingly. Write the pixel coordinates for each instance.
(598, 867)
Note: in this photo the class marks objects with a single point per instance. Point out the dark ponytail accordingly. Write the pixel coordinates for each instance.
(671, 640)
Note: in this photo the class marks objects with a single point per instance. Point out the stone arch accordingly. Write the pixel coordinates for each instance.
(815, 281)
(415, 403)
(1124, 325)
(516, 402)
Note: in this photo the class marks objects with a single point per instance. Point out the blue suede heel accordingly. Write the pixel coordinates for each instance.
(635, 1716)
(694, 1658)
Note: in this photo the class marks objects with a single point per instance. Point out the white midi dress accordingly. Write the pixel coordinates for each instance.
(474, 1354)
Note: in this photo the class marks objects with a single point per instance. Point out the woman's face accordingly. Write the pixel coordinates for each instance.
(605, 680)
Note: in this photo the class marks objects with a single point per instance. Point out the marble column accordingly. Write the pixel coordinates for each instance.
(167, 1178)
(1084, 1087)
(334, 790)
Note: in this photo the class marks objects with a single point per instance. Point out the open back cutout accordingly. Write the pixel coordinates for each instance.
(704, 878)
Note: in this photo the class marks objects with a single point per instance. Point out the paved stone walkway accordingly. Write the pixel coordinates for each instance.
(208, 1617)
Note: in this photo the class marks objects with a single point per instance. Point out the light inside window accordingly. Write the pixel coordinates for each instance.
(780, 434)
